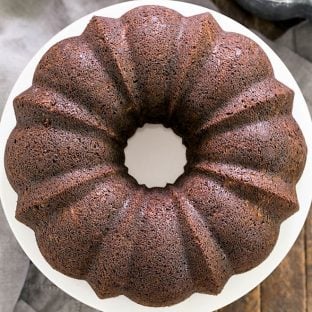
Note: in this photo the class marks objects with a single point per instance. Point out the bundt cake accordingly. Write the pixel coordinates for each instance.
(215, 89)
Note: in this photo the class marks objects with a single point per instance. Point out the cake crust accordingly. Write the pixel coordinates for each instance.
(65, 157)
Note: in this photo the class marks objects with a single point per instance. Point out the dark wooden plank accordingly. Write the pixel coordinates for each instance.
(308, 252)
(285, 289)
(249, 303)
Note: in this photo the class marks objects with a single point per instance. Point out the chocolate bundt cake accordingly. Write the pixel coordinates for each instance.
(215, 89)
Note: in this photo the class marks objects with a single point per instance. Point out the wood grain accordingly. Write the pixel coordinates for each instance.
(285, 289)
(308, 254)
(251, 302)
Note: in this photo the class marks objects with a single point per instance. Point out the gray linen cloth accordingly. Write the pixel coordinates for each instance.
(24, 27)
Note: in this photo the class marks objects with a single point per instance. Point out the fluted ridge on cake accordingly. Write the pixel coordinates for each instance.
(210, 265)
(38, 196)
(248, 183)
(108, 273)
(71, 239)
(39, 105)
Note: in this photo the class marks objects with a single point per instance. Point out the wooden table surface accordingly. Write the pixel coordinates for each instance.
(289, 287)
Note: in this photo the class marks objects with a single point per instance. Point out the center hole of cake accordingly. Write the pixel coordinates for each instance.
(155, 156)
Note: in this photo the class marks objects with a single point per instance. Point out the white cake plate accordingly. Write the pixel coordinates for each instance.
(238, 285)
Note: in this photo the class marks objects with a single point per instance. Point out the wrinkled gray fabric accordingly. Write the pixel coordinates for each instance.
(24, 27)
(299, 40)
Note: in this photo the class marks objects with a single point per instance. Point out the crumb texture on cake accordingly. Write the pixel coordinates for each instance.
(65, 157)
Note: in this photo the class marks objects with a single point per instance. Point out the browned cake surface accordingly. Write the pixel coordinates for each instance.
(216, 90)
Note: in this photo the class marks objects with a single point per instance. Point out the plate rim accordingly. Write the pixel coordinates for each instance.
(203, 304)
